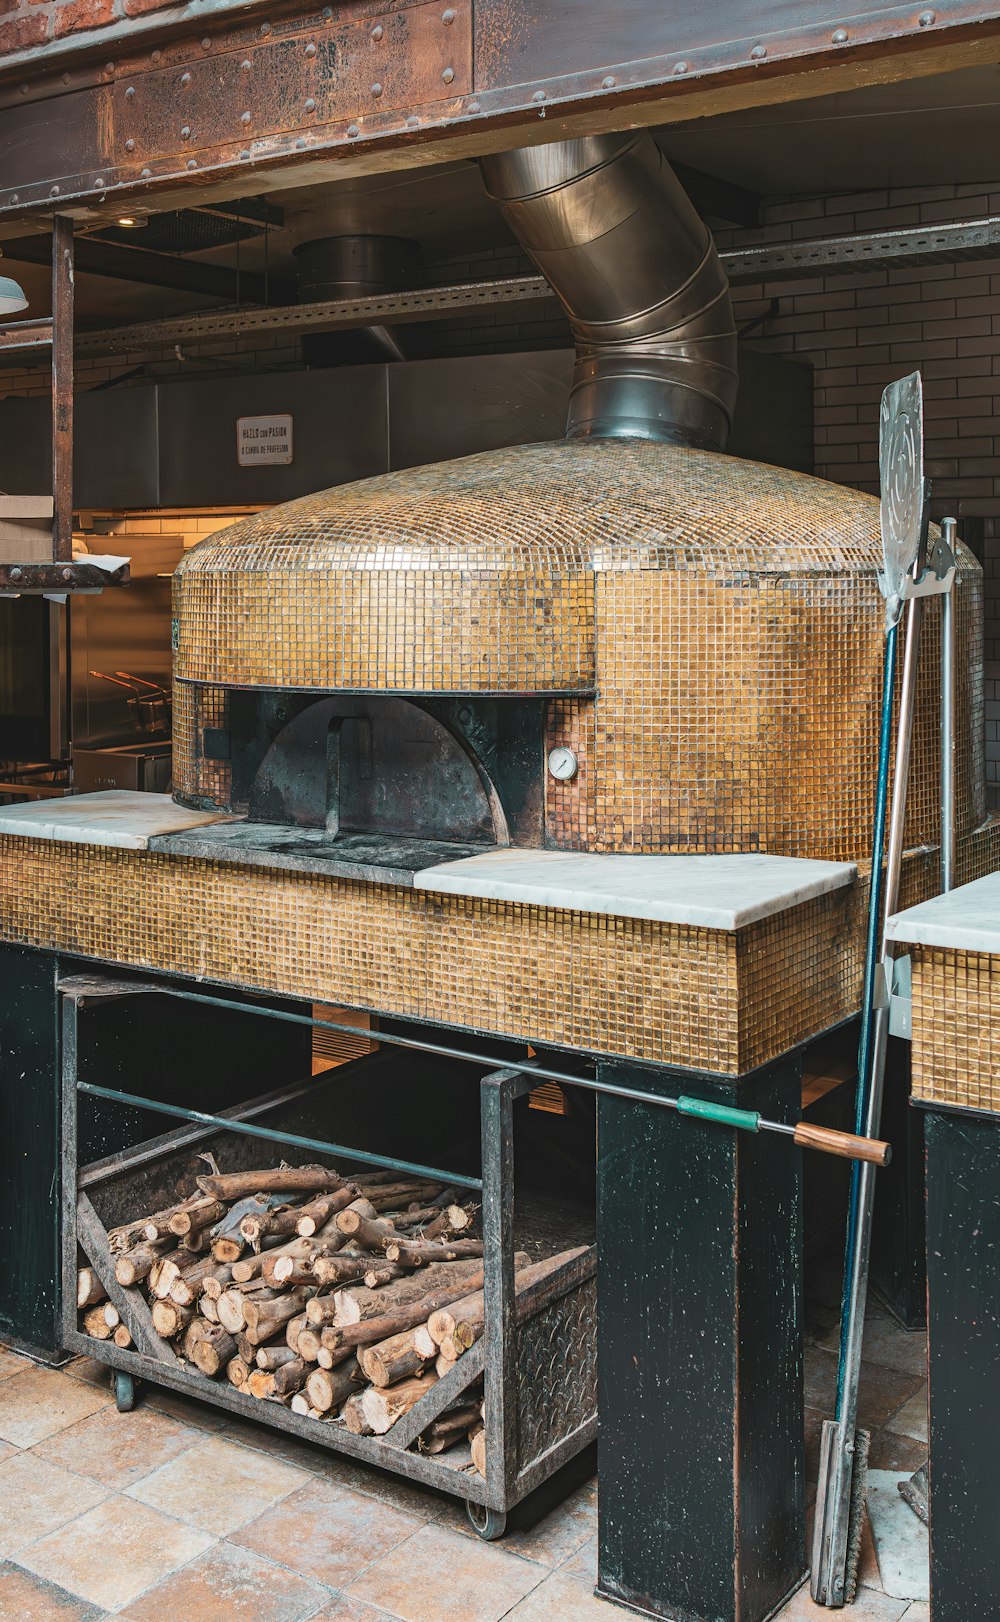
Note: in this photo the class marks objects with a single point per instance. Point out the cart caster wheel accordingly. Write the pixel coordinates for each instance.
(124, 1393)
(489, 1524)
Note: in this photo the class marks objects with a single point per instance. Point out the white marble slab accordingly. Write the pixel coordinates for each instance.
(964, 920)
(709, 892)
(902, 1542)
(113, 817)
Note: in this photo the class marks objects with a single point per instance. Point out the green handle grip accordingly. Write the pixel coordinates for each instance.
(746, 1119)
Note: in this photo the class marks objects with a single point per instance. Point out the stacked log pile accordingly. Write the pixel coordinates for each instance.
(343, 1299)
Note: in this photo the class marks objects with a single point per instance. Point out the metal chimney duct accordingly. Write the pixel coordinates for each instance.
(609, 225)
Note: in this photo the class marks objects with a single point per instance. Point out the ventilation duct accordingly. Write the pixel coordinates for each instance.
(609, 225)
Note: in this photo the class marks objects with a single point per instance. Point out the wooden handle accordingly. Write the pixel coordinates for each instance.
(843, 1143)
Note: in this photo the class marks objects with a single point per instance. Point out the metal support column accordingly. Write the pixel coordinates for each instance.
(700, 1457)
(62, 387)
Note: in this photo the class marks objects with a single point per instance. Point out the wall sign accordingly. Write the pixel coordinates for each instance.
(261, 440)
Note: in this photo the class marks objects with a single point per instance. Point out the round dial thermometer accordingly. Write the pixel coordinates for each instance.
(563, 764)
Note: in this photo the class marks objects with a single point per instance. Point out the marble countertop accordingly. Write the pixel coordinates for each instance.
(114, 817)
(964, 920)
(708, 892)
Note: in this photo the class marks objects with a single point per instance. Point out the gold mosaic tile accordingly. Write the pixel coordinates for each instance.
(956, 1027)
(709, 633)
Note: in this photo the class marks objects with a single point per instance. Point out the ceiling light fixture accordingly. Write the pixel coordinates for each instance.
(12, 296)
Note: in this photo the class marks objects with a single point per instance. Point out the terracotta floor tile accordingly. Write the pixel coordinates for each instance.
(584, 1562)
(176, 1406)
(25, 1598)
(911, 1420)
(346, 1609)
(11, 1363)
(37, 1497)
(307, 1455)
(892, 1452)
(881, 1392)
(36, 1403)
(438, 1575)
(868, 1607)
(119, 1449)
(114, 1552)
(218, 1485)
(565, 1598)
(553, 1538)
(410, 1496)
(327, 1532)
(228, 1585)
(89, 1370)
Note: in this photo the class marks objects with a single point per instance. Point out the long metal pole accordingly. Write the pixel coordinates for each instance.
(948, 835)
(62, 388)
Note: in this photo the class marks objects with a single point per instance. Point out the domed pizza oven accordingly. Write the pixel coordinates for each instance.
(697, 638)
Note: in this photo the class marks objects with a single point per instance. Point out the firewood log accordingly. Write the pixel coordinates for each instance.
(198, 1241)
(133, 1266)
(158, 1226)
(170, 1320)
(424, 1342)
(101, 1321)
(459, 1326)
(261, 1264)
(191, 1285)
(355, 1303)
(355, 1418)
(280, 1180)
(273, 1357)
(382, 1408)
(477, 1442)
(282, 1382)
(232, 1304)
(382, 1273)
(208, 1308)
(320, 1211)
(262, 1316)
(168, 1270)
(308, 1344)
(417, 1252)
(327, 1389)
(89, 1289)
(122, 1337)
(237, 1372)
(214, 1349)
(393, 1359)
(335, 1342)
(453, 1219)
(246, 1351)
(340, 1268)
(399, 1193)
(215, 1281)
(196, 1214)
(442, 1366)
(370, 1233)
(191, 1336)
(445, 1431)
(292, 1328)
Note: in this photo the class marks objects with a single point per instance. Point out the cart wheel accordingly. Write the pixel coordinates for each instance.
(490, 1524)
(124, 1392)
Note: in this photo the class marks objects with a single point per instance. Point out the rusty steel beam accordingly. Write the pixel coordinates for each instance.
(309, 94)
(62, 388)
(18, 335)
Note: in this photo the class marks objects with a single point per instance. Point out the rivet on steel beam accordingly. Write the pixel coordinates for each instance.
(244, 118)
(53, 191)
(145, 174)
(130, 145)
(310, 105)
(839, 36)
(156, 56)
(246, 64)
(474, 107)
(680, 67)
(376, 90)
(99, 183)
(310, 50)
(448, 75)
(352, 130)
(609, 82)
(447, 17)
(326, 13)
(377, 31)
(413, 122)
(109, 67)
(65, 78)
(265, 28)
(130, 92)
(185, 131)
(300, 145)
(758, 53)
(185, 78)
(15, 573)
(244, 155)
(24, 90)
(539, 95)
(192, 163)
(206, 44)
(14, 197)
(67, 574)
(926, 18)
